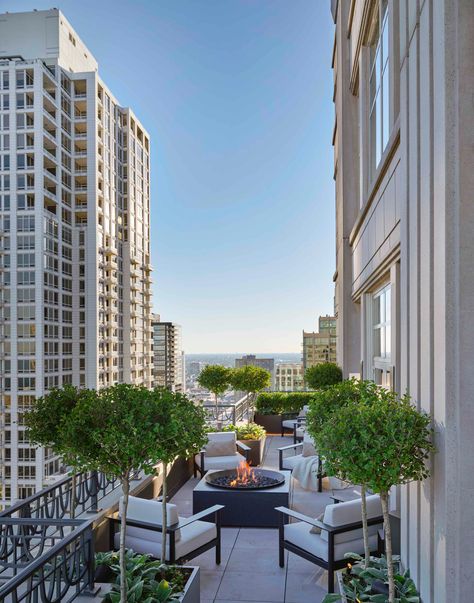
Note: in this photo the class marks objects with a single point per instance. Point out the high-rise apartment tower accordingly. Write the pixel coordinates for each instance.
(74, 223)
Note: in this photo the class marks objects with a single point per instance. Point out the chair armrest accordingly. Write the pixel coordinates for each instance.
(347, 527)
(242, 446)
(145, 525)
(188, 520)
(310, 520)
(290, 446)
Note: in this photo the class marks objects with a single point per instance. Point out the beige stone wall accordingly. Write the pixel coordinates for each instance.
(413, 224)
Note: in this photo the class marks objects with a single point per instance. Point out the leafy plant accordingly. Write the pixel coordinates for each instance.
(182, 432)
(251, 431)
(380, 441)
(117, 431)
(322, 375)
(250, 379)
(279, 403)
(364, 584)
(215, 378)
(148, 581)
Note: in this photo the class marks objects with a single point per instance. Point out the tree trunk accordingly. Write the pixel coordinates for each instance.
(388, 546)
(365, 527)
(218, 422)
(164, 515)
(72, 510)
(123, 529)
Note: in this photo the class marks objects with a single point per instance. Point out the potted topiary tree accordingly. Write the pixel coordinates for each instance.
(216, 379)
(44, 421)
(117, 431)
(322, 375)
(383, 441)
(182, 433)
(251, 380)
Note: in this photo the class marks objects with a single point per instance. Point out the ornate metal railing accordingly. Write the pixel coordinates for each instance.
(45, 560)
(54, 502)
(226, 414)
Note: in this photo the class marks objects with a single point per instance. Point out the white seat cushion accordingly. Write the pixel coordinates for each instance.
(300, 535)
(220, 462)
(351, 512)
(289, 423)
(290, 462)
(144, 541)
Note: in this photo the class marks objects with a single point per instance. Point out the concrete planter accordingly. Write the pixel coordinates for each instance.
(257, 448)
(192, 590)
(341, 586)
(271, 423)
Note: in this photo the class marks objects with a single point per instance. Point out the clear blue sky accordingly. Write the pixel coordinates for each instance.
(237, 97)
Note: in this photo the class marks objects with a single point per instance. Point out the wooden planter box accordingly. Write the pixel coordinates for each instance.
(271, 423)
(257, 448)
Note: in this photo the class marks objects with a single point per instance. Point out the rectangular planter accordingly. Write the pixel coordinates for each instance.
(192, 589)
(271, 423)
(257, 448)
(341, 586)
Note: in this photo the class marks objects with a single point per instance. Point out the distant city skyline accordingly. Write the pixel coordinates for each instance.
(236, 97)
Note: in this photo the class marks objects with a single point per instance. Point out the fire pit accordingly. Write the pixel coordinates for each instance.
(249, 495)
(245, 478)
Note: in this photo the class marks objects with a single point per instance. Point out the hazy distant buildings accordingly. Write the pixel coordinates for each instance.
(289, 377)
(266, 363)
(321, 346)
(168, 358)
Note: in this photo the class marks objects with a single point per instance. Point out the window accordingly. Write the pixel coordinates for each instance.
(379, 85)
(382, 336)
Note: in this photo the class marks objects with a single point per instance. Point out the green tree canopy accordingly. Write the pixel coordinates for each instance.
(250, 379)
(215, 378)
(44, 420)
(118, 431)
(322, 375)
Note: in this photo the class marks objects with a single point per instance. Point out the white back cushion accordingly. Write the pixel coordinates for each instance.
(221, 443)
(351, 512)
(151, 511)
(308, 446)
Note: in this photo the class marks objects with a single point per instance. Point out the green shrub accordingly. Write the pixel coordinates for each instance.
(322, 375)
(279, 403)
(251, 431)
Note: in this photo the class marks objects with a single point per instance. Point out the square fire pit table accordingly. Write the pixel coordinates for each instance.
(244, 508)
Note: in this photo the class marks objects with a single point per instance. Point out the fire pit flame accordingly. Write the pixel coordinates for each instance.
(245, 476)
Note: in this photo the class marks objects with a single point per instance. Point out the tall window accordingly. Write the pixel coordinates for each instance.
(379, 85)
(382, 336)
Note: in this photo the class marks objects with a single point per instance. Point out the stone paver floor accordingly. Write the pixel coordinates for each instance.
(249, 570)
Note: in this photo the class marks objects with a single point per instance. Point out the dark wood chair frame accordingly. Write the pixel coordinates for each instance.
(295, 446)
(171, 530)
(243, 447)
(331, 565)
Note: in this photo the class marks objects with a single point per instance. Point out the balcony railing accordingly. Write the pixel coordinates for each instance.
(227, 414)
(55, 501)
(45, 560)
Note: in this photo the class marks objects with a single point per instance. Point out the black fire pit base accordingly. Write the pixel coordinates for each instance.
(244, 508)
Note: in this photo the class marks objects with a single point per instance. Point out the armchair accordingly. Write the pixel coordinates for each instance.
(296, 425)
(289, 462)
(188, 537)
(220, 453)
(340, 533)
